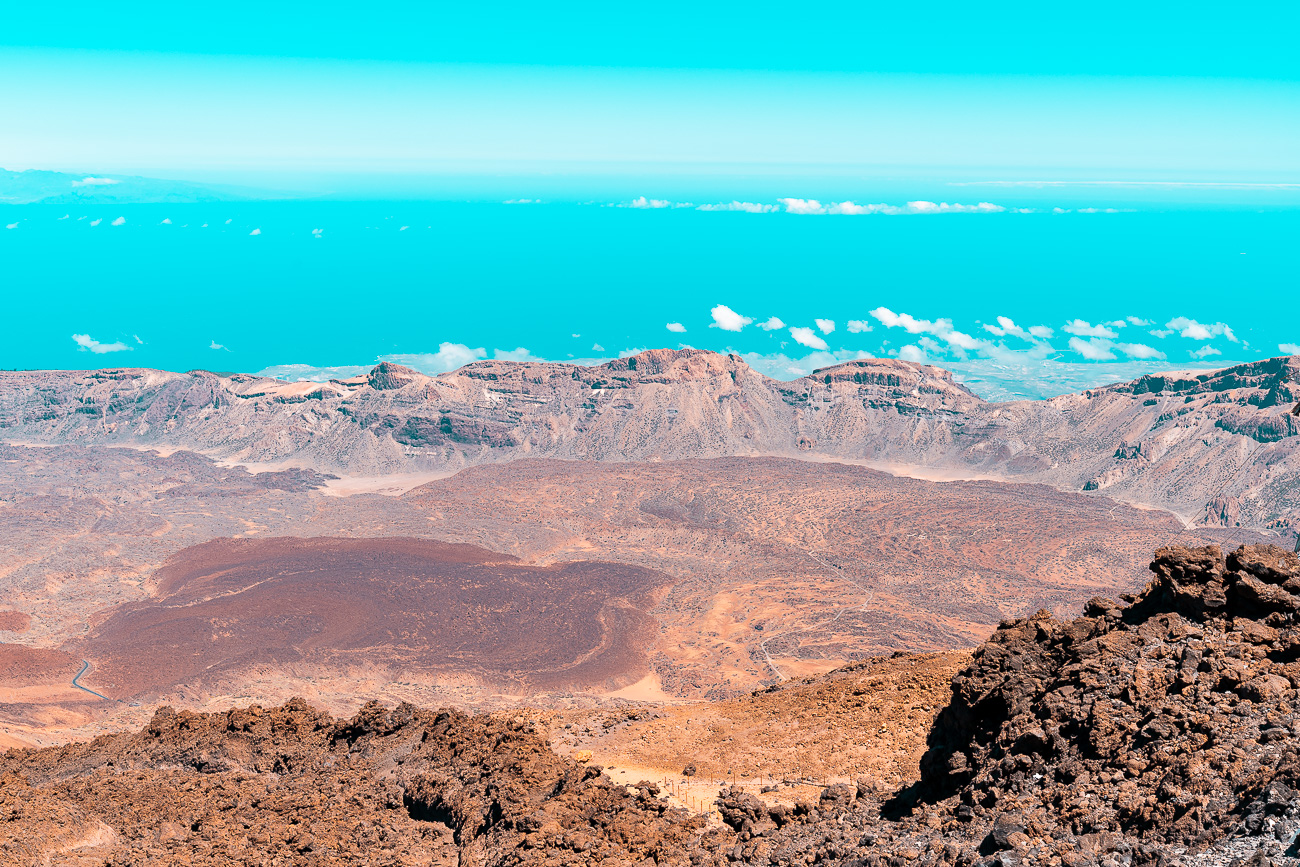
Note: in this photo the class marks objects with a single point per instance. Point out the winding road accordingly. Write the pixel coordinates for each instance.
(85, 667)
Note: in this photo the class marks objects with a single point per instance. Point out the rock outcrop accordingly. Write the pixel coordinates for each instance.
(1157, 730)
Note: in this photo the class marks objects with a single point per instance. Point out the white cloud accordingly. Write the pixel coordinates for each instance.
(1007, 327)
(676, 327)
(945, 208)
(86, 342)
(1194, 330)
(120, 221)
(772, 324)
(825, 326)
(231, 220)
(1140, 323)
(1084, 329)
(64, 217)
(807, 337)
(1289, 348)
(316, 233)
(517, 354)
(940, 328)
(858, 326)
(813, 206)
(403, 229)
(522, 202)
(137, 339)
(1139, 350)
(781, 366)
(596, 347)
(747, 207)
(216, 345)
(11, 226)
(1162, 333)
(1042, 332)
(802, 206)
(727, 319)
(94, 182)
(1204, 352)
(167, 221)
(449, 356)
(97, 221)
(643, 202)
(255, 232)
(913, 353)
(1096, 349)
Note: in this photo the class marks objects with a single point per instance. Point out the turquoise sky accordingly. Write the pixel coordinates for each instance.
(574, 181)
(329, 97)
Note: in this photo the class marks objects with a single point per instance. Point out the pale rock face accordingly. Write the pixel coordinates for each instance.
(1219, 447)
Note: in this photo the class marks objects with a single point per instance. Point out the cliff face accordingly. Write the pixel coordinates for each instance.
(1218, 447)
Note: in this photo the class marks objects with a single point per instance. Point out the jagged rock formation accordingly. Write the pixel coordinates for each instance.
(1175, 441)
(1161, 731)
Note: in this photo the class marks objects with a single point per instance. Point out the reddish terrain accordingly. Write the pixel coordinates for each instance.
(396, 603)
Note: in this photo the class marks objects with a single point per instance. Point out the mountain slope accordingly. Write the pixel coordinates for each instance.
(1217, 447)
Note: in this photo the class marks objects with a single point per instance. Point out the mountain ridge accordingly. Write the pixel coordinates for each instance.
(1218, 447)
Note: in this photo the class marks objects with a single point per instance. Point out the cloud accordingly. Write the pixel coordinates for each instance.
(403, 229)
(913, 353)
(643, 202)
(813, 206)
(676, 327)
(858, 326)
(781, 366)
(1083, 329)
(97, 221)
(596, 347)
(1194, 330)
(316, 233)
(940, 328)
(255, 232)
(1007, 327)
(519, 353)
(522, 202)
(11, 226)
(1140, 350)
(120, 221)
(1204, 352)
(167, 221)
(772, 324)
(64, 217)
(747, 207)
(1096, 349)
(1140, 323)
(825, 326)
(1289, 348)
(807, 337)
(137, 339)
(86, 342)
(216, 345)
(727, 319)
(1042, 332)
(94, 182)
(449, 356)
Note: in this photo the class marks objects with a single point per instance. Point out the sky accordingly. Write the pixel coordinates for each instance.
(284, 93)
(609, 171)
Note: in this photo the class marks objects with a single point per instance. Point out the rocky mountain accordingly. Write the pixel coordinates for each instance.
(1158, 730)
(1219, 448)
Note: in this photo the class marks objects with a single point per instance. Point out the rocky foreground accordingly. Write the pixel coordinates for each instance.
(1157, 730)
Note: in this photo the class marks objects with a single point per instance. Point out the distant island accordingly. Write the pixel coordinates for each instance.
(58, 188)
